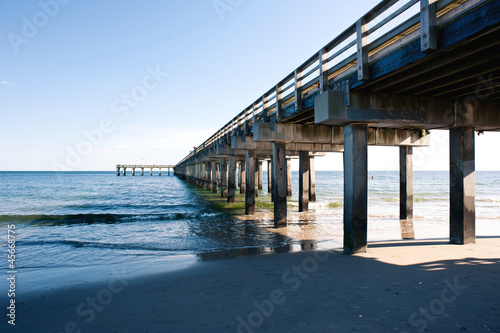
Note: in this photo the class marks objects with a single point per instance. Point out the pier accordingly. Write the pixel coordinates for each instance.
(384, 81)
(121, 169)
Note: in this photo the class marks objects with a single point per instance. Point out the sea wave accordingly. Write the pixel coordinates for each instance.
(93, 218)
(103, 245)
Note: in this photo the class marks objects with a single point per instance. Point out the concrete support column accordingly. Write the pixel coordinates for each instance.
(462, 186)
(223, 177)
(142, 171)
(117, 171)
(203, 178)
(355, 188)
(209, 176)
(406, 192)
(288, 177)
(124, 171)
(231, 182)
(242, 177)
(168, 171)
(260, 176)
(133, 171)
(151, 172)
(219, 184)
(312, 180)
(256, 177)
(269, 177)
(239, 174)
(215, 187)
(279, 184)
(199, 175)
(250, 182)
(159, 172)
(303, 181)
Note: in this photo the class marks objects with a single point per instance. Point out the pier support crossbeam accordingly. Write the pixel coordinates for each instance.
(355, 188)
(462, 186)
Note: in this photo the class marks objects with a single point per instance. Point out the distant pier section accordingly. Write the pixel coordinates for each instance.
(121, 169)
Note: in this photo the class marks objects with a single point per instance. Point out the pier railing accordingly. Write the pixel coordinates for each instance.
(391, 25)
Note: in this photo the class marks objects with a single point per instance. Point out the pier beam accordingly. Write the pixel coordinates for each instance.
(303, 181)
(288, 177)
(406, 192)
(215, 186)
(231, 182)
(223, 177)
(355, 188)
(279, 184)
(312, 180)
(250, 182)
(209, 176)
(462, 186)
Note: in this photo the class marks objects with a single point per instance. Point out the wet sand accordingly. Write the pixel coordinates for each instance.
(398, 286)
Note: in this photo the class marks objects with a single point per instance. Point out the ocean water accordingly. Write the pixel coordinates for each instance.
(79, 226)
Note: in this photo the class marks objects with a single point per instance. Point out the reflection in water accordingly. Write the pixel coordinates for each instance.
(251, 235)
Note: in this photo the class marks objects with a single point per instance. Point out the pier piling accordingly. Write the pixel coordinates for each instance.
(406, 192)
(250, 182)
(231, 182)
(223, 177)
(303, 181)
(355, 188)
(462, 186)
(279, 184)
(312, 180)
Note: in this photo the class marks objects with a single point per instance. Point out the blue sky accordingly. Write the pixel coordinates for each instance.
(69, 68)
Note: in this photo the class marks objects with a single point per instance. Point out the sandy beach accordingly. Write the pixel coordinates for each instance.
(412, 286)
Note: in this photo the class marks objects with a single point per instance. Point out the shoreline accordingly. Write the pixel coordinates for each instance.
(307, 291)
